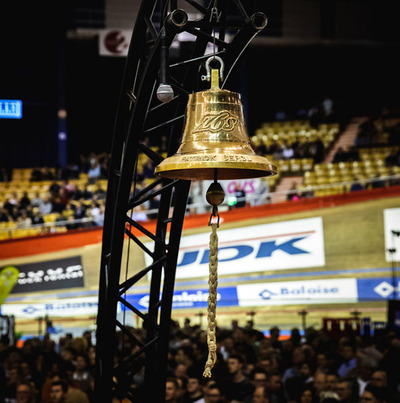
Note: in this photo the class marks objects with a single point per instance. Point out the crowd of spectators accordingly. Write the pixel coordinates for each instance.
(83, 205)
(251, 367)
(67, 202)
(379, 130)
(306, 149)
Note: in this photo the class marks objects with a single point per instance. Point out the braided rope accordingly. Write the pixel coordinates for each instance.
(212, 302)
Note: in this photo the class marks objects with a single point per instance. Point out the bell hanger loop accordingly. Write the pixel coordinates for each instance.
(214, 75)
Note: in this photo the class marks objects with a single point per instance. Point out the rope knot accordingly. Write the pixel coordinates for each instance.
(212, 346)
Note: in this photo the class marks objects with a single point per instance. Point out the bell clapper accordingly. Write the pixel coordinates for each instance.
(215, 196)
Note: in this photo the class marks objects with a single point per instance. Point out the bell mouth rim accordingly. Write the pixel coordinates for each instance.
(239, 167)
(201, 173)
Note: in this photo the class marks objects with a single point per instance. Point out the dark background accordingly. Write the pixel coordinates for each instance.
(48, 72)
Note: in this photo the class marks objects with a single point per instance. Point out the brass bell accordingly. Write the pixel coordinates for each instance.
(215, 142)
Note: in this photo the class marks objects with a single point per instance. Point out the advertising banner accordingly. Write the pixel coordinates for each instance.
(10, 109)
(49, 275)
(256, 189)
(114, 42)
(57, 308)
(298, 292)
(392, 234)
(373, 289)
(226, 296)
(284, 245)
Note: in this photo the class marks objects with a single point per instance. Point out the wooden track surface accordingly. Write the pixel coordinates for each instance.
(353, 237)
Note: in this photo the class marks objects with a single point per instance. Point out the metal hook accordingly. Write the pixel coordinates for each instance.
(207, 77)
(214, 214)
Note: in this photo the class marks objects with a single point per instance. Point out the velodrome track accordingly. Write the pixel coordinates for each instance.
(326, 255)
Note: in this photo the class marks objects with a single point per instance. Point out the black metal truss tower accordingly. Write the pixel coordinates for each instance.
(227, 26)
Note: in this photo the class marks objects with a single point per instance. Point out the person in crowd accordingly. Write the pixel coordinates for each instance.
(274, 149)
(37, 200)
(94, 211)
(47, 174)
(36, 174)
(379, 379)
(238, 386)
(197, 201)
(99, 192)
(94, 171)
(148, 169)
(306, 373)
(194, 390)
(54, 189)
(274, 338)
(261, 193)
(292, 378)
(392, 159)
(331, 381)
(373, 395)
(81, 376)
(317, 150)
(46, 207)
(260, 395)
(378, 182)
(307, 395)
(365, 366)
(86, 194)
(25, 393)
(68, 189)
(258, 377)
(23, 220)
(240, 195)
(171, 390)
(275, 387)
(319, 384)
(356, 185)
(24, 201)
(348, 353)
(347, 390)
(280, 115)
(214, 394)
(4, 215)
(287, 151)
(293, 193)
(69, 210)
(80, 210)
(58, 205)
(322, 362)
(58, 392)
(13, 377)
(327, 108)
(314, 115)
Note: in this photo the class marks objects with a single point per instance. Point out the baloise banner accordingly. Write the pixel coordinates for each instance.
(49, 275)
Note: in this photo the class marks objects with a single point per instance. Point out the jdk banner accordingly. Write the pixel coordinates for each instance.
(284, 245)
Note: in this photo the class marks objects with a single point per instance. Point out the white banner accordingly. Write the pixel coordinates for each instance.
(56, 308)
(298, 292)
(284, 245)
(114, 42)
(392, 234)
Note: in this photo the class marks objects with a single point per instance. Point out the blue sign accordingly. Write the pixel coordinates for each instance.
(10, 109)
(372, 289)
(226, 296)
